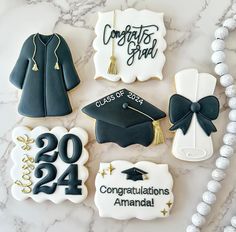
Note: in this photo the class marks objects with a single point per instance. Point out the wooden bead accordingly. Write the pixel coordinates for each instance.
(229, 229)
(218, 45)
(226, 151)
(230, 24)
(226, 80)
(213, 186)
(218, 174)
(198, 220)
(232, 103)
(209, 197)
(233, 221)
(192, 228)
(229, 139)
(221, 69)
(203, 208)
(218, 57)
(221, 33)
(222, 163)
(231, 127)
(232, 115)
(230, 91)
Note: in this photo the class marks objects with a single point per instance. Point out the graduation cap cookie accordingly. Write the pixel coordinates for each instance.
(125, 118)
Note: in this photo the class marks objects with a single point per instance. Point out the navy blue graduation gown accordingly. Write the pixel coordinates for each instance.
(45, 72)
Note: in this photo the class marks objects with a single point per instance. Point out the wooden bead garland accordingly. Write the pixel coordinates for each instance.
(229, 139)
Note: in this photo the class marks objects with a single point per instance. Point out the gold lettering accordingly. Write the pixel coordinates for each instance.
(27, 169)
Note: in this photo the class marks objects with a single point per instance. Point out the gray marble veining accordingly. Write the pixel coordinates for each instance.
(190, 28)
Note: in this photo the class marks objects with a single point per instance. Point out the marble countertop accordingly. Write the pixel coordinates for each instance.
(190, 27)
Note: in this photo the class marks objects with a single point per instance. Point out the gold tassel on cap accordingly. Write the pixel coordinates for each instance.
(112, 69)
(158, 134)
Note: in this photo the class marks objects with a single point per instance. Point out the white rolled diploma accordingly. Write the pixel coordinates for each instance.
(195, 145)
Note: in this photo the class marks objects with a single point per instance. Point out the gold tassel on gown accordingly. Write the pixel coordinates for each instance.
(35, 67)
(56, 66)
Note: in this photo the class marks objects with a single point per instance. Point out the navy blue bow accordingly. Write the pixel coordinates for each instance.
(181, 111)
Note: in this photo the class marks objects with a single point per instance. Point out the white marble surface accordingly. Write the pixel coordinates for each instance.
(190, 27)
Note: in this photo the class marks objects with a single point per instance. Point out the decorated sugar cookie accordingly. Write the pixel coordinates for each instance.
(125, 118)
(49, 164)
(45, 72)
(125, 190)
(191, 112)
(129, 45)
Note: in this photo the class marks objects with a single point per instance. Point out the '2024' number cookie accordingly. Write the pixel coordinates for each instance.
(49, 164)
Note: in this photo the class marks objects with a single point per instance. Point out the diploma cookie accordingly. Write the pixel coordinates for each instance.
(125, 118)
(49, 164)
(191, 112)
(129, 45)
(125, 190)
(45, 72)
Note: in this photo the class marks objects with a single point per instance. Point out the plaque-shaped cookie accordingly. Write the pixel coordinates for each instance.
(125, 190)
(129, 45)
(49, 164)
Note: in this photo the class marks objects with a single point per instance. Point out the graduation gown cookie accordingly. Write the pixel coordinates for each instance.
(191, 112)
(125, 118)
(45, 72)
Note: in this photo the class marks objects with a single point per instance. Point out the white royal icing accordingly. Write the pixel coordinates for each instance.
(18, 153)
(142, 69)
(123, 203)
(195, 145)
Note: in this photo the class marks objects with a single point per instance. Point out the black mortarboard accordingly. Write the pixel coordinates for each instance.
(134, 174)
(125, 118)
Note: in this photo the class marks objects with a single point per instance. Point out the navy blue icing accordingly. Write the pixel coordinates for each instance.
(50, 176)
(77, 148)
